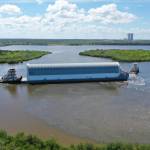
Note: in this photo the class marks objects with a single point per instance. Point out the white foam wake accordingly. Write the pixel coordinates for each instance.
(136, 80)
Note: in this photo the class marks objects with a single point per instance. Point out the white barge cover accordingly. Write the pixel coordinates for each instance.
(65, 65)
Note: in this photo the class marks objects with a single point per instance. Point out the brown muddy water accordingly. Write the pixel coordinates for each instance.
(81, 112)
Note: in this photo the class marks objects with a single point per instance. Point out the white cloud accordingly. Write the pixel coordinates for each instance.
(69, 12)
(9, 9)
(64, 19)
(63, 12)
(110, 14)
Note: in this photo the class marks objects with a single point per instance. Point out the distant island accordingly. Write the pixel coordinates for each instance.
(120, 55)
(12, 57)
(73, 42)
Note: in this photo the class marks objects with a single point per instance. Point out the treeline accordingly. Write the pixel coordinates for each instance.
(6, 42)
(29, 142)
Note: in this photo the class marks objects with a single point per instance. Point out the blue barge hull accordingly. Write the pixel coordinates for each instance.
(75, 81)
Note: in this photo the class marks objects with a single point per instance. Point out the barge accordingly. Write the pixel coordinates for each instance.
(75, 72)
(68, 72)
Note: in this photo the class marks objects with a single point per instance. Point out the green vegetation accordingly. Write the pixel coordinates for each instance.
(19, 56)
(5, 42)
(29, 142)
(120, 55)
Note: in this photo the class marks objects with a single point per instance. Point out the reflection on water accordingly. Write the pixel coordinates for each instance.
(97, 111)
(11, 89)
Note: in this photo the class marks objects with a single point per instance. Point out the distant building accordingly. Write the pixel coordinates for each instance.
(130, 36)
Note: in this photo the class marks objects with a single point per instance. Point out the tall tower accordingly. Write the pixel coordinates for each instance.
(130, 37)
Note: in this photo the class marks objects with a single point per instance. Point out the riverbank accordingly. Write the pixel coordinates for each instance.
(120, 55)
(12, 57)
(22, 141)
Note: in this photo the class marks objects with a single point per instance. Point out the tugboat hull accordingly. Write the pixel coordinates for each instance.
(11, 77)
(12, 82)
(18, 80)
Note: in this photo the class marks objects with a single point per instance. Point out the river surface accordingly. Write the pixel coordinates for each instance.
(101, 112)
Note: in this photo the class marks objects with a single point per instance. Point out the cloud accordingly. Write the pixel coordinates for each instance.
(9, 9)
(63, 12)
(64, 19)
(69, 12)
(110, 14)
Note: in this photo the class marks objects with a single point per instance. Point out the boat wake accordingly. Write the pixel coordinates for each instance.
(136, 80)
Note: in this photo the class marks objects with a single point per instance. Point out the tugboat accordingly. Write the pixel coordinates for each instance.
(11, 77)
(135, 69)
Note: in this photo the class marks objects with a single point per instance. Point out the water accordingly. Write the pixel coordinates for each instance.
(96, 111)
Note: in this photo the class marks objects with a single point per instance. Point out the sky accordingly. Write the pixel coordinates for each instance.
(74, 19)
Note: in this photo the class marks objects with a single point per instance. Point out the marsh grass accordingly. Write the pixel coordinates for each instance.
(12, 57)
(120, 55)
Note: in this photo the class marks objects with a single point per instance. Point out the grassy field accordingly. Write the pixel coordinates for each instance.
(120, 55)
(29, 142)
(12, 57)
